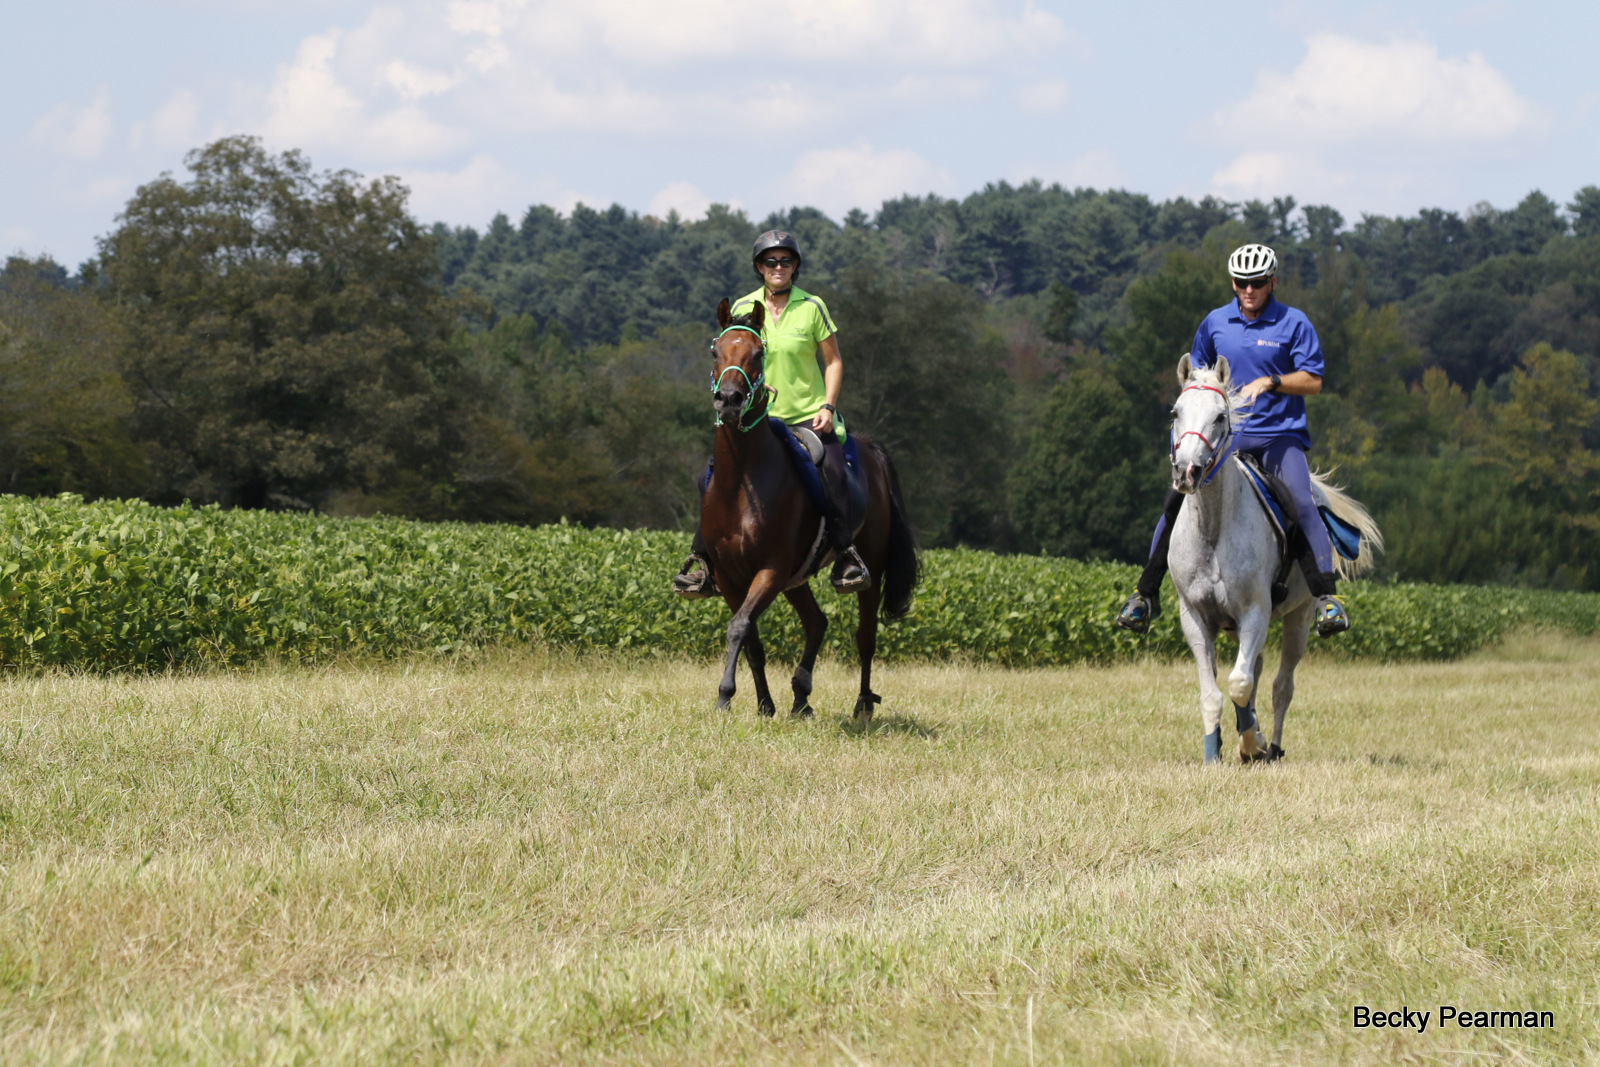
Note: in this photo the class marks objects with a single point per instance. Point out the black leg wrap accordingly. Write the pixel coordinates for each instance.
(1321, 583)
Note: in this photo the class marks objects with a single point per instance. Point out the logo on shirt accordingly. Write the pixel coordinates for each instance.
(1269, 344)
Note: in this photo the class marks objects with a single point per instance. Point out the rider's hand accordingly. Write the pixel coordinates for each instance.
(823, 423)
(1248, 394)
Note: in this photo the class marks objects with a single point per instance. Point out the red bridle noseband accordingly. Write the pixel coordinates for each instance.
(1217, 451)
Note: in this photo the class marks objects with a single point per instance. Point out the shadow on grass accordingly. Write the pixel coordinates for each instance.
(906, 725)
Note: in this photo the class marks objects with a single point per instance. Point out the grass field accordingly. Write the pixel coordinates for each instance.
(526, 859)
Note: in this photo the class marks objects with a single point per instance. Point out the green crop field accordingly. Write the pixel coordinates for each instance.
(113, 586)
(539, 858)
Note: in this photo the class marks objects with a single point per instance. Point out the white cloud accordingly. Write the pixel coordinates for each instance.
(1096, 169)
(174, 123)
(76, 132)
(417, 83)
(310, 107)
(945, 33)
(838, 179)
(17, 240)
(172, 126)
(625, 66)
(1313, 180)
(1346, 91)
(471, 194)
(1369, 126)
(474, 193)
(1044, 97)
(925, 89)
(683, 197)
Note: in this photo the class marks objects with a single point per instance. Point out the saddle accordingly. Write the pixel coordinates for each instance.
(1277, 501)
(805, 448)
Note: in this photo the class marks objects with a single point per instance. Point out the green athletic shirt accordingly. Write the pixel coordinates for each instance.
(792, 367)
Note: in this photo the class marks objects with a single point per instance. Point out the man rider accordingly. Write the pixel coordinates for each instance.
(797, 330)
(1274, 350)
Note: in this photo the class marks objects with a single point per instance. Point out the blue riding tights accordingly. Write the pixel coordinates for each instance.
(1283, 458)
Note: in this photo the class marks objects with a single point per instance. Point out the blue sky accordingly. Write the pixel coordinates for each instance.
(486, 105)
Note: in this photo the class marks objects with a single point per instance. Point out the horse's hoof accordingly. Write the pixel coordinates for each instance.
(802, 713)
(1274, 753)
(768, 710)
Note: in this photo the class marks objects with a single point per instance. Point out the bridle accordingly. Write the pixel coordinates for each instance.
(757, 386)
(1224, 442)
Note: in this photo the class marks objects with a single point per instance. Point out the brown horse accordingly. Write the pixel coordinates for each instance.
(761, 526)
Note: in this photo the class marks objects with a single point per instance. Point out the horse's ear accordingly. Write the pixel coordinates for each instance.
(723, 316)
(758, 315)
(1222, 369)
(1183, 369)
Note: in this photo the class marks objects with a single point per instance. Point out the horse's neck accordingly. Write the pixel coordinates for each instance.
(1214, 505)
(736, 451)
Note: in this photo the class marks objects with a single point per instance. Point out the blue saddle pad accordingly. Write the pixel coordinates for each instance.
(1346, 538)
(855, 487)
(855, 484)
(802, 462)
(1281, 523)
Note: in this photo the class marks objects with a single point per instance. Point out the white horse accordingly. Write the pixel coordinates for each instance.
(1223, 556)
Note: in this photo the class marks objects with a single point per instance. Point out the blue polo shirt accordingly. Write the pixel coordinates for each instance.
(1281, 340)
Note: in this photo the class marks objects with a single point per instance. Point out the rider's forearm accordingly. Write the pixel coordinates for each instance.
(832, 370)
(1295, 383)
(1300, 383)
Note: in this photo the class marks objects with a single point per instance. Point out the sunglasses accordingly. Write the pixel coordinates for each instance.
(1251, 283)
(774, 263)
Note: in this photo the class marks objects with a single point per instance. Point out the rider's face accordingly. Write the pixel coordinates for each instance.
(1253, 295)
(779, 276)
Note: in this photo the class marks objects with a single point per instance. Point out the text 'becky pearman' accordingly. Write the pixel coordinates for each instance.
(1448, 1014)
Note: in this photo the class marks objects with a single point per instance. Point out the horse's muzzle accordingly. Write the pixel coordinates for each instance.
(1186, 477)
(729, 403)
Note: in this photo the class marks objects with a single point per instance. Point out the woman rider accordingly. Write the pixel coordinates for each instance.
(1274, 350)
(796, 332)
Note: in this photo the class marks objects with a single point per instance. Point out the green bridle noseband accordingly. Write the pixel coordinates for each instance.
(758, 386)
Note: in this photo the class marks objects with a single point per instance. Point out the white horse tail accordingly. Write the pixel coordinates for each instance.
(1349, 509)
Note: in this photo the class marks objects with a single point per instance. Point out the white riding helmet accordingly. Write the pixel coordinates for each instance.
(1253, 261)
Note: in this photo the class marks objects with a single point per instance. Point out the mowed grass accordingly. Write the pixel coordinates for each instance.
(530, 859)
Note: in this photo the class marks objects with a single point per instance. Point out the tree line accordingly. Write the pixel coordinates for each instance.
(264, 335)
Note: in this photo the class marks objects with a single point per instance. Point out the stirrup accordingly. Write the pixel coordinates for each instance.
(695, 584)
(850, 571)
(1331, 616)
(1137, 614)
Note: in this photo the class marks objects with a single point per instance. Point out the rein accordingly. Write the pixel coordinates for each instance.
(1219, 451)
(757, 386)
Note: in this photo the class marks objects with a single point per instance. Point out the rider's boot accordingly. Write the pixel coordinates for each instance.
(850, 573)
(1144, 606)
(1140, 611)
(1330, 617)
(694, 580)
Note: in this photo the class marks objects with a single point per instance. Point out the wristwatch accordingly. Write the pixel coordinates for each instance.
(831, 408)
(1276, 381)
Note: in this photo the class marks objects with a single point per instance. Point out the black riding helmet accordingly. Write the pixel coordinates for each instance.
(776, 239)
